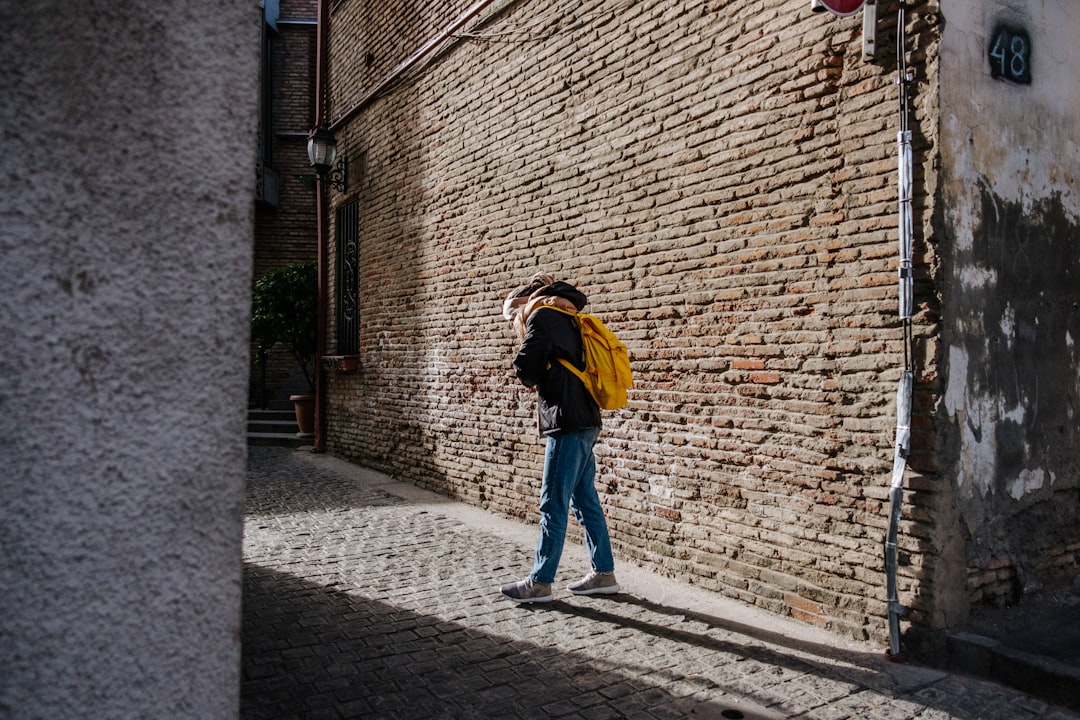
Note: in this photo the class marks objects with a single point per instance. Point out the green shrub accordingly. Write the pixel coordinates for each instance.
(284, 304)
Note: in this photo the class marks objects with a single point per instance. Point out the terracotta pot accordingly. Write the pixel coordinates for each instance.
(304, 405)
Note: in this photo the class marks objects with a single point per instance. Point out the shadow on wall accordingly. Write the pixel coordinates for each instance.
(395, 251)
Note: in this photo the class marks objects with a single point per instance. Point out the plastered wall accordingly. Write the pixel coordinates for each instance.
(720, 179)
(1010, 99)
(126, 207)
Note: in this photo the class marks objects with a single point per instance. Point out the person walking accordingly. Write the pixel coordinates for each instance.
(569, 419)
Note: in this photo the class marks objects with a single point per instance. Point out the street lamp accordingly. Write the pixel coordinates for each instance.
(323, 155)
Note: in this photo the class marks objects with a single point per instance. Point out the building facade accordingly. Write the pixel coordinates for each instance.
(285, 207)
(1009, 421)
(721, 178)
(286, 225)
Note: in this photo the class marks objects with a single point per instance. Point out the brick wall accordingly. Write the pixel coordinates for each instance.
(720, 179)
(287, 233)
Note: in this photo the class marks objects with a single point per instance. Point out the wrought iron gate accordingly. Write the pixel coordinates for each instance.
(348, 278)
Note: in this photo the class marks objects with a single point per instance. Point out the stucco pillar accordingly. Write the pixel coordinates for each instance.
(126, 192)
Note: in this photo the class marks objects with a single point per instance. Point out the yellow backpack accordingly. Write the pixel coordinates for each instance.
(607, 374)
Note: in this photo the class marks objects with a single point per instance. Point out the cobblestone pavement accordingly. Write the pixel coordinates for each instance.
(367, 598)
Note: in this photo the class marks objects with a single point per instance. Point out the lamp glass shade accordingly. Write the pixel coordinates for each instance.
(321, 149)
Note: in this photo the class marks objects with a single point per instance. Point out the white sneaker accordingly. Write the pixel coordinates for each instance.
(527, 591)
(595, 583)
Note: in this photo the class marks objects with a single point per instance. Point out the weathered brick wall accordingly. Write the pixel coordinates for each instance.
(720, 179)
(368, 40)
(287, 233)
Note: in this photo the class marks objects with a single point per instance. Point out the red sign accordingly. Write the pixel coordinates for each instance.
(843, 7)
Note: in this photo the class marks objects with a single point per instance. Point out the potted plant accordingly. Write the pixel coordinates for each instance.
(283, 310)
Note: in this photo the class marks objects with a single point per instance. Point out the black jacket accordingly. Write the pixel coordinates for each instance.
(563, 403)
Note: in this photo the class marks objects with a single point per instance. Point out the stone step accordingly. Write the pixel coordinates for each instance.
(275, 428)
(280, 425)
(271, 414)
(278, 439)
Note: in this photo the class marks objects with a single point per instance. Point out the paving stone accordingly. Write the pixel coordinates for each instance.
(361, 601)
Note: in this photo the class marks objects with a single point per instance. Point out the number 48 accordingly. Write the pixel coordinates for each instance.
(1010, 55)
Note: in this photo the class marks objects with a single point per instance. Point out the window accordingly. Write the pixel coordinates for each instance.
(348, 278)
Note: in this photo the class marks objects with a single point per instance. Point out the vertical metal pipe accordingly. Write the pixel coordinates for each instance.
(320, 231)
(896, 498)
(903, 141)
(904, 391)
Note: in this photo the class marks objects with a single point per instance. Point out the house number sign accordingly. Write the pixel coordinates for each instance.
(1010, 55)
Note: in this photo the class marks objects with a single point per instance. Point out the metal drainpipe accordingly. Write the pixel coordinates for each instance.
(320, 233)
(904, 391)
(896, 499)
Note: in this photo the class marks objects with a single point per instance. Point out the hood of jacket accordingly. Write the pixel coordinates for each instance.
(558, 294)
(564, 291)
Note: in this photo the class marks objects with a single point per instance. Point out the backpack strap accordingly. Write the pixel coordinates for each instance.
(570, 366)
(554, 302)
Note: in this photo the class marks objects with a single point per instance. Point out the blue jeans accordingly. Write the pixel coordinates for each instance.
(569, 470)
